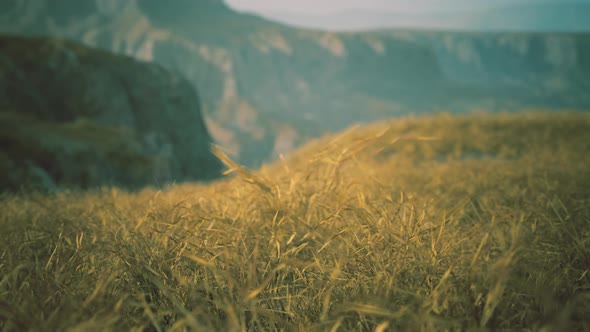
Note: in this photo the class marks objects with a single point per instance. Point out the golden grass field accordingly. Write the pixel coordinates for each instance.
(442, 222)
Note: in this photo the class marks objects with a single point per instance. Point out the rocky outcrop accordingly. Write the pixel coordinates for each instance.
(71, 115)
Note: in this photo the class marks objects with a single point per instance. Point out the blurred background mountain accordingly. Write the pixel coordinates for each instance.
(266, 86)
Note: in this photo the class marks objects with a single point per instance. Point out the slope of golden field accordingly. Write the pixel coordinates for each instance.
(440, 222)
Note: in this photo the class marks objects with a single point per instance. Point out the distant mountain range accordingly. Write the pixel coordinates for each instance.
(547, 17)
(267, 87)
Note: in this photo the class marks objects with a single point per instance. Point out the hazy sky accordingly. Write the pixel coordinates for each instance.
(328, 6)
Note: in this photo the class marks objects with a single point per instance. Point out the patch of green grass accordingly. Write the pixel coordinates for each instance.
(56, 146)
(390, 226)
(84, 131)
(19, 49)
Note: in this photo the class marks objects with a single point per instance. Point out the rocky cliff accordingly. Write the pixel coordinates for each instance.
(71, 115)
(266, 88)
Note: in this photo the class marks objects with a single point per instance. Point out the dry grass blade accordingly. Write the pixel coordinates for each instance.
(242, 171)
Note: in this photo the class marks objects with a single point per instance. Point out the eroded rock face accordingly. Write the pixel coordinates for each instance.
(79, 116)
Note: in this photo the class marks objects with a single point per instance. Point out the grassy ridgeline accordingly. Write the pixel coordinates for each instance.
(417, 224)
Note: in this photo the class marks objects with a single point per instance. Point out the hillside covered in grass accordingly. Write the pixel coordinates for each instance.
(429, 223)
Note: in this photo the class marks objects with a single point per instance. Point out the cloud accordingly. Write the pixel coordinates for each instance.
(400, 6)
